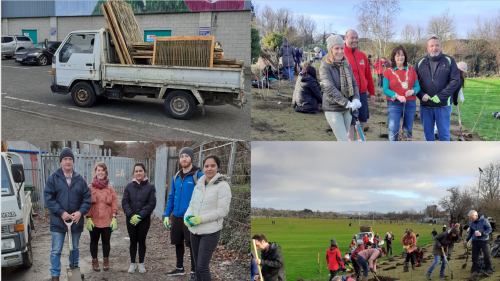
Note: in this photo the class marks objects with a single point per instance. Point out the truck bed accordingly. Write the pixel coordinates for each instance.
(203, 78)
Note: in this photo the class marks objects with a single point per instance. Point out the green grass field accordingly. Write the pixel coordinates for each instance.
(302, 239)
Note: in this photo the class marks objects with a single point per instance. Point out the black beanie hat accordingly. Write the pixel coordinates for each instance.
(189, 151)
(66, 152)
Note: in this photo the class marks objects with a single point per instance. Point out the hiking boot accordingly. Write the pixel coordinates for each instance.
(489, 272)
(428, 276)
(442, 275)
(95, 265)
(55, 278)
(413, 266)
(176, 271)
(142, 269)
(192, 276)
(132, 268)
(105, 264)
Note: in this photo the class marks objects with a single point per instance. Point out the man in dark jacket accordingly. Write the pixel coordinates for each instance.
(388, 242)
(445, 241)
(273, 267)
(439, 78)
(479, 232)
(307, 93)
(183, 185)
(67, 197)
(287, 58)
(298, 60)
(434, 233)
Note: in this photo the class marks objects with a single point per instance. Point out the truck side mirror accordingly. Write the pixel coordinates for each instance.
(46, 44)
(17, 173)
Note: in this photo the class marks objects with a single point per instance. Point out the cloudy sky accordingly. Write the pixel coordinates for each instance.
(334, 176)
(342, 13)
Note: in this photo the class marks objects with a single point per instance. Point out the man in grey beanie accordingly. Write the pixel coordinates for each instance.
(183, 185)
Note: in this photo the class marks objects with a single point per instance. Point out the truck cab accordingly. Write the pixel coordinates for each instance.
(17, 222)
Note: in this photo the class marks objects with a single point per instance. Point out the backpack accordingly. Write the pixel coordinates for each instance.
(195, 176)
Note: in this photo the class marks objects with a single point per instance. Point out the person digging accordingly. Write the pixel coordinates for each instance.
(409, 241)
(445, 240)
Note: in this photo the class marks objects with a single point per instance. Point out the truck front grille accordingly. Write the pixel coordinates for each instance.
(5, 229)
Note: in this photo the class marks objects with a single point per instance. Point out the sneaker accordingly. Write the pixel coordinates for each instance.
(132, 268)
(192, 276)
(176, 271)
(142, 269)
(428, 276)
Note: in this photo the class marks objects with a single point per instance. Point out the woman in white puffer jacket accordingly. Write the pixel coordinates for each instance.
(205, 214)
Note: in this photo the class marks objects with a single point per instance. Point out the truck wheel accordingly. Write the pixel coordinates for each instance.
(42, 60)
(29, 262)
(83, 95)
(180, 105)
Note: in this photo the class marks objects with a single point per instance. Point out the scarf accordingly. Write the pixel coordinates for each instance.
(346, 87)
(101, 184)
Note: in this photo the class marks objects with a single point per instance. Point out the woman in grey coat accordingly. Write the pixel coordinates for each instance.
(287, 58)
(340, 91)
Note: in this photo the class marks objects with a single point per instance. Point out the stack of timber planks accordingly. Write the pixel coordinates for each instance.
(143, 50)
(221, 61)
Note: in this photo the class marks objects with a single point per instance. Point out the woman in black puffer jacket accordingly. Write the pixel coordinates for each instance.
(139, 201)
(307, 92)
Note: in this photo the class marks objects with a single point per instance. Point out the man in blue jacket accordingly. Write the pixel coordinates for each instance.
(298, 60)
(480, 229)
(183, 185)
(439, 78)
(67, 197)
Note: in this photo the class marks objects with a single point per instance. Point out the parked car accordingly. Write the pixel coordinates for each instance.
(37, 54)
(13, 43)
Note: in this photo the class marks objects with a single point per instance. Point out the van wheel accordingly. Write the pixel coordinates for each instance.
(29, 262)
(180, 105)
(83, 95)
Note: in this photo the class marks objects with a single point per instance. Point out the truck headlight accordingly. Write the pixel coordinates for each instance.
(8, 244)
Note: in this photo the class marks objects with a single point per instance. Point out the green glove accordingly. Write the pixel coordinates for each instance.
(435, 99)
(196, 220)
(90, 224)
(113, 225)
(135, 220)
(166, 222)
(187, 222)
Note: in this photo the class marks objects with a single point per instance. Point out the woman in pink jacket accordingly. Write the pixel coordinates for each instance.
(368, 258)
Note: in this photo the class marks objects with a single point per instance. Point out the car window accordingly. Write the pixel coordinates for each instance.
(22, 38)
(7, 188)
(53, 47)
(77, 43)
(7, 39)
(39, 46)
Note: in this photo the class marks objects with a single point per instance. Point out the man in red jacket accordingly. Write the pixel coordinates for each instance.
(363, 75)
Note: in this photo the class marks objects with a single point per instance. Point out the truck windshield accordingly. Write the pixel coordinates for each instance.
(7, 189)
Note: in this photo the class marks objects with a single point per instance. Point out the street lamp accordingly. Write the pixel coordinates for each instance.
(480, 173)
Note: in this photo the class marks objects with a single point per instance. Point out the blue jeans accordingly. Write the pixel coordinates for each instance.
(57, 246)
(439, 116)
(394, 113)
(364, 266)
(375, 245)
(437, 259)
(289, 73)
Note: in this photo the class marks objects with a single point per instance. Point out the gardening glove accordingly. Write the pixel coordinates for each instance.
(435, 99)
(371, 270)
(90, 224)
(187, 222)
(113, 225)
(351, 105)
(166, 222)
(405, 248)
(196, 220)
(448, 257)
(358, 103)
(135, 220)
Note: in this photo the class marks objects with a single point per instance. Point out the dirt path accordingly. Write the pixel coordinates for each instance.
(160, 257)
(273, 119)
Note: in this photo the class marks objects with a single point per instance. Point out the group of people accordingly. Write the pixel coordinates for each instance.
(346, 77)
(198, 203)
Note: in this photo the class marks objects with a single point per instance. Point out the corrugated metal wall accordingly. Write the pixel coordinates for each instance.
(28, 9)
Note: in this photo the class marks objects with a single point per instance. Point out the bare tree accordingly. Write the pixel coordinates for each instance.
(408, 34)
(284, 19)
(442, 26)
(376, 21)
(419, 33)
(458, 203)
(306, 27)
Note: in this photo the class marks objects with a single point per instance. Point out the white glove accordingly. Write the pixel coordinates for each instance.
(461, 96)
(358, 103)
(351, 105)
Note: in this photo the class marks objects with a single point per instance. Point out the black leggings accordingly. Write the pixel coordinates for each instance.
(381, 80)
(203, 247)
(95, 234)
(410, 256)
(179, 252)
(138, 234)
(333, 273)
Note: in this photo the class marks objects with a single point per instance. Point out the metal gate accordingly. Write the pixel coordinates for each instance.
(166, 163)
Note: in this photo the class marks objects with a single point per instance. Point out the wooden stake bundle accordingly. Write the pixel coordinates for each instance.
(113, 35)
(194, 51)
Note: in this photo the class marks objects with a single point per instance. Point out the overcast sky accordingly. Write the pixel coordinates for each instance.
(342, 13)
(337, 176)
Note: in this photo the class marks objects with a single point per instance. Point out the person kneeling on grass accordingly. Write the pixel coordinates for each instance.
(368, 258)
(273, 267)
(445, 240)
(307, 93)
(334, 259)
(418, 256)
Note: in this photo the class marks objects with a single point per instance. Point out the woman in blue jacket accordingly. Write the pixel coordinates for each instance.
(139, 201)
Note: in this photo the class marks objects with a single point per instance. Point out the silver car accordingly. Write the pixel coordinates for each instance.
(13, 43)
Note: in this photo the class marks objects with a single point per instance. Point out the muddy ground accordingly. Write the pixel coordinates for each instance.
(160, 257)
(274, 119)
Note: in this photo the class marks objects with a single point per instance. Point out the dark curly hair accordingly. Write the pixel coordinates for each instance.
(395, 51)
